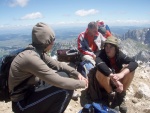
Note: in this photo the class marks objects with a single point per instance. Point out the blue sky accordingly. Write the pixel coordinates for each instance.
(23, 13)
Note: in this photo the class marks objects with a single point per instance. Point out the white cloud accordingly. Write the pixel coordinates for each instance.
(128, 22)
(71, 23)
(2, 26)
(21, 3)
(83, 12)
(15, 27)
(84, 23)
(133, 22)
(109, 22)
(30, 16)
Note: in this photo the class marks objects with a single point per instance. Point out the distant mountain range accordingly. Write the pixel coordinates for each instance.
(133, 39)
(141, 35)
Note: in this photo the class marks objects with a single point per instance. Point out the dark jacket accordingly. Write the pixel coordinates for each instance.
(103, 63)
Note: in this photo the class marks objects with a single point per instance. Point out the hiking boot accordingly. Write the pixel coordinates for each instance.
(121, 102)
(112, 99)
(111, 96)
(123, 107)
(114, 104)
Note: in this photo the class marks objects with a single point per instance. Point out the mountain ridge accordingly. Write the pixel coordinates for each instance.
(133, 40)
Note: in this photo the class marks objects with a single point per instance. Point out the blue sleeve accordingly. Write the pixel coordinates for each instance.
(107, 28)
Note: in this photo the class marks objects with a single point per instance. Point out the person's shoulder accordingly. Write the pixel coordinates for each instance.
(108, 33)
(29, 54)
(25, 58)
(32, 52)
(121, 52)
(122, 55)
(82, 34)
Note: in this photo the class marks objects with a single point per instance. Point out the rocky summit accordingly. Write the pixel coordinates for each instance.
(137, 99)
(134, 43)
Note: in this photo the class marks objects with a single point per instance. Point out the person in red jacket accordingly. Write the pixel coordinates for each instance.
(89, 42)
(103, 29)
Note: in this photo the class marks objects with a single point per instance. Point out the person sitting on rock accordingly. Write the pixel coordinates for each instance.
(30, 67)
(115, 71)
(103, 29)
(89, 42)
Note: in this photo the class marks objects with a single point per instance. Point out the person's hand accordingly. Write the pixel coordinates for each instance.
(117, 76)
(86, 81)
(80, 77)
(117, 83)
(112, 77)
(119, 86)
(94, 56)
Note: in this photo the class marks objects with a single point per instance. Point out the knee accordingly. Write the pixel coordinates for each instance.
(100, 76)
(71, 92)
(65, 94)
(131, 74)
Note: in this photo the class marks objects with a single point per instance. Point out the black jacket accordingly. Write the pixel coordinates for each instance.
(103, 63)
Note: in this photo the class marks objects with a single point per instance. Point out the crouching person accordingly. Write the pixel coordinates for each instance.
(33, 65)
(115, 72)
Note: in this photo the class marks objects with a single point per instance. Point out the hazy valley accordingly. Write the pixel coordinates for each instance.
(133, 40)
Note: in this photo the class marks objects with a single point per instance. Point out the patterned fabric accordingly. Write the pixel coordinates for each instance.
(85, 48)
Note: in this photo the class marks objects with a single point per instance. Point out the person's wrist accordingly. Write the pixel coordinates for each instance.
(93, 55)
(119, 84)
(86, 83)
(83, 83)
(111, 76)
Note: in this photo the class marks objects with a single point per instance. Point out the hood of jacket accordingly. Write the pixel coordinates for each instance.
(42, 36)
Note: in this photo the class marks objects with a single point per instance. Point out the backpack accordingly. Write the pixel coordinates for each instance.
(68, 55)
(97, 108)
(4, 74)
